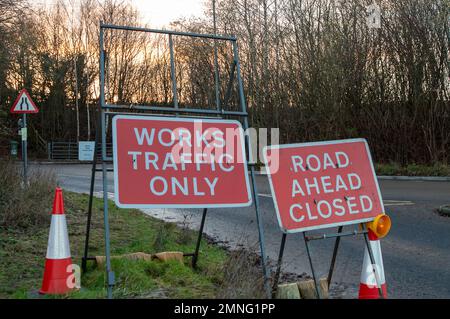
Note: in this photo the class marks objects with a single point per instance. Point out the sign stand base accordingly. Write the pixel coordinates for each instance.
(307, 239)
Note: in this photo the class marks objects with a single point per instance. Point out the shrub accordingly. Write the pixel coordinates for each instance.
(242, 276)
(24, 207)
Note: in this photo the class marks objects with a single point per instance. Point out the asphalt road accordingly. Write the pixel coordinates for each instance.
(416, 253)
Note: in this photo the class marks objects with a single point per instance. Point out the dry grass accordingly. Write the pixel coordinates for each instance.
(242, 276)
(24, 207)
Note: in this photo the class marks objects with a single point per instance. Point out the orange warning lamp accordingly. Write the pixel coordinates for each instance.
(380, 225)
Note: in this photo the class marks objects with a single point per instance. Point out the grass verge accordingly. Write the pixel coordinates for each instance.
(22, 256)
(395, 169)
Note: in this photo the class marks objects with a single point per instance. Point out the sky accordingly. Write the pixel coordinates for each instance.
(159, 13)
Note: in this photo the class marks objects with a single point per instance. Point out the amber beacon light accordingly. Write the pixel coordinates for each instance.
(380, 225)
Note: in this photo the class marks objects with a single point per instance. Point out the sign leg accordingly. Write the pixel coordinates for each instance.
(109, 272)
(91, 198)
(199, 239)
(261, 235)
(333, 259)
(316, 283)
(278, 271)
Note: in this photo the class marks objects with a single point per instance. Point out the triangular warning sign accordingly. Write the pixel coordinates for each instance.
(24, 104)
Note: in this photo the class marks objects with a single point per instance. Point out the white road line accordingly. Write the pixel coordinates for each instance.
(399, 204)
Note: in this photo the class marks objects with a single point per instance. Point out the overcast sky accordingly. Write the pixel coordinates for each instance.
(158, 13)
(161, 12)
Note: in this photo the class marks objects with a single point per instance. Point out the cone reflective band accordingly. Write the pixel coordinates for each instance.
(371, 281)
(58, 263)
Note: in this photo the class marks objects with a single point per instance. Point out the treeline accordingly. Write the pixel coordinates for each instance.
(314, 68)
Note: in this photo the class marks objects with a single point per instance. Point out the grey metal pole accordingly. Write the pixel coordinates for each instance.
(184, 34)
(91, 198)
(316, 283)
(216, 63)
(24, 150)
(199, 239)
(173, 73)
(333, 259)
(109, 272)
(280, 260)
(252, 173)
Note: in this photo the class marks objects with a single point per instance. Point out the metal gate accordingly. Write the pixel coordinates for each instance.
(68, 151)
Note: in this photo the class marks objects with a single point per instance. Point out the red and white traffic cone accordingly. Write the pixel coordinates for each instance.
(370, 281)
(58, 264)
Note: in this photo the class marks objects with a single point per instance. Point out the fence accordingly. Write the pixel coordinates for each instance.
(68, 151)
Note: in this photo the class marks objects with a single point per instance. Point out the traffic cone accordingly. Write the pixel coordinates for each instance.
(58, 262)
(370, 283)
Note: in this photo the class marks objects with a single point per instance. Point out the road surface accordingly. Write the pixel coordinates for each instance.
(416, 253)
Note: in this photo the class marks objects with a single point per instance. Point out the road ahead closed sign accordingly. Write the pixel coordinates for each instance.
(179, 163)
(323, 184)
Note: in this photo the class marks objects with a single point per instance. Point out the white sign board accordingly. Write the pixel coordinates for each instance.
(86, 151)
(24, 133)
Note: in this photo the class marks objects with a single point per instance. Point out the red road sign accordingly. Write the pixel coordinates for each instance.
(179, 163)
(24, 104)
(323, 184)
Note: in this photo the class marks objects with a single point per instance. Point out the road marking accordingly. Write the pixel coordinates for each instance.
(398, 203)
(387, 202)
(77, 176)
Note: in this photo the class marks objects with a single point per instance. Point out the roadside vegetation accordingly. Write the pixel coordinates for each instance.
(395, 169)
(25, 215)
(22, 210)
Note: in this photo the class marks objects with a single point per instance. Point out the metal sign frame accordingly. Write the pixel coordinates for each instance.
(109, 110)
(308, 238)
(338, 235)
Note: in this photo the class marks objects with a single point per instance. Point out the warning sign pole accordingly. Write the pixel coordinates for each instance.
(24, 149)
(24, 105)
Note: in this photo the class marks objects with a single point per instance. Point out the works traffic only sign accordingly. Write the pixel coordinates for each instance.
(323, 184)
(179, 163)
(24, 103)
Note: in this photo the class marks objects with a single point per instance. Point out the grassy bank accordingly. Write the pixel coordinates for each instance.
(22, 256)
(395, 169)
